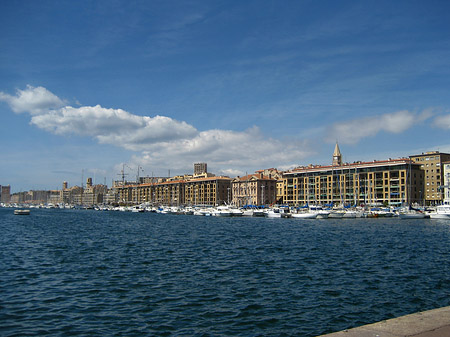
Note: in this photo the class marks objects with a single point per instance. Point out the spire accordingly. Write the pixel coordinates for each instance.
(337, 156)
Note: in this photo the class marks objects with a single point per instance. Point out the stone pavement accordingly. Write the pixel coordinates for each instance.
(432, 323)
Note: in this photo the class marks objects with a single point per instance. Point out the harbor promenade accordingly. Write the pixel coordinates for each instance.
(432, 323)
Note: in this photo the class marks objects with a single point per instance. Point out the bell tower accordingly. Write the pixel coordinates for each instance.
(337, 156)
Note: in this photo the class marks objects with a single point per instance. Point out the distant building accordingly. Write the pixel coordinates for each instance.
(202, 190)
(88, 196)
(431, 164)
(200, 168)
(5, 193)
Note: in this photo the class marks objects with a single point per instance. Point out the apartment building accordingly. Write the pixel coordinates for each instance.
(387, 182)
(208, 191)
(5, 193)
(254, 189)
(446, 173)
(431, 165)
(194, 191)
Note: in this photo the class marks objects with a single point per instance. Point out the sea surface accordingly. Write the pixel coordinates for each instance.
(90, 273)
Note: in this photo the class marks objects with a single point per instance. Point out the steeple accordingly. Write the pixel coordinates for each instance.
(337, 156)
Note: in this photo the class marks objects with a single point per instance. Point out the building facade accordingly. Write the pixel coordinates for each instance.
(431, 164)
(391, 182)
(195, 191)
(446, 173)
(200, 168)
(254, 189)
(5, 193)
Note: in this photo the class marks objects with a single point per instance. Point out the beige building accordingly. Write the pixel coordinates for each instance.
(208, 191)
(431, 164)
(254, 189)
(87, 196)
(387, 182)
(194, 191)
(446, 173)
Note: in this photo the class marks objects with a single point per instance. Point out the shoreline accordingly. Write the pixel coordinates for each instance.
(431, 323)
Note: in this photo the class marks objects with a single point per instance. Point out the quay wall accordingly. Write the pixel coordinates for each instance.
(432, 323)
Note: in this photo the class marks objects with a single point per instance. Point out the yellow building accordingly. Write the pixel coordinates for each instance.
(431, 164)
(388, 182)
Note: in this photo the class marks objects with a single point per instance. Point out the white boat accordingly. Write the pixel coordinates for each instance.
(203, 211)
(321, 213)
(442, 212)
(236, 212)
(137, 209)
(304, 215)
(22, 212)
(336, 214)
(222, 211)
(350, 214)
(273, 213)
(258, 212)
(247, 212)
(411, 215)
(189, 211)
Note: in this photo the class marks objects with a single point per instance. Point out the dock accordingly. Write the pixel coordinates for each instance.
(432, 323)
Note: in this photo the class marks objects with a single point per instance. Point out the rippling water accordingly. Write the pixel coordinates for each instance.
(113, 273)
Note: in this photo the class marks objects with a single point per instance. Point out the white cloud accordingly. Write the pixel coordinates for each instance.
(162, 141)
(113, 126)
(442, 122)
(33, 100)
(227, 151)
(351, 132)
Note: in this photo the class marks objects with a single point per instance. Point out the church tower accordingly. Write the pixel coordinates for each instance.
(337, 156)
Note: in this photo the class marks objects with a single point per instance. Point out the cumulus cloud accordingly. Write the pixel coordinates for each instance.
(230, 150)
(113, 126)
(34, 100)
(442, 122)
(351, 132)
(162, 141)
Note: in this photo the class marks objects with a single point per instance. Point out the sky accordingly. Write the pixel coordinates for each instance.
(90, 88)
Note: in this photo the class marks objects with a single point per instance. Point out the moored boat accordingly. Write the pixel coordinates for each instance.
(304, 215)
(22, 212)
(321, 213)
(442, 212)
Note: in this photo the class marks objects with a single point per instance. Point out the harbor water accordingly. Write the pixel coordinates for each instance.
(84, 272)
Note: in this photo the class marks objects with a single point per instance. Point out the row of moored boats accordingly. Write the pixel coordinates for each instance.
(311, 212)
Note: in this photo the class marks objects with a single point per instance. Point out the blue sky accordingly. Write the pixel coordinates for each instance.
(87, 86)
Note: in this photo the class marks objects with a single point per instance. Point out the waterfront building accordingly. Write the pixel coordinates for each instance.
(254, 189)
(87, 196)
(169, 193)
(387, 182)
(431, 164)
(208, 191)
(5, 193)
(193, 191)
(110, 197)
(446, 174)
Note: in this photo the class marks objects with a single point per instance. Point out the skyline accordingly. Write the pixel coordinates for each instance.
(241, 86)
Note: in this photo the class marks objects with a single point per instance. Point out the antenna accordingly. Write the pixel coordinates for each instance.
(123, 174)
(139, 168)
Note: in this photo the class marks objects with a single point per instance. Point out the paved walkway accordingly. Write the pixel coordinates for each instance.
(432, 323)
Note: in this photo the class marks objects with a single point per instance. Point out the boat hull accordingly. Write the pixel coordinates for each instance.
(304, 215)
